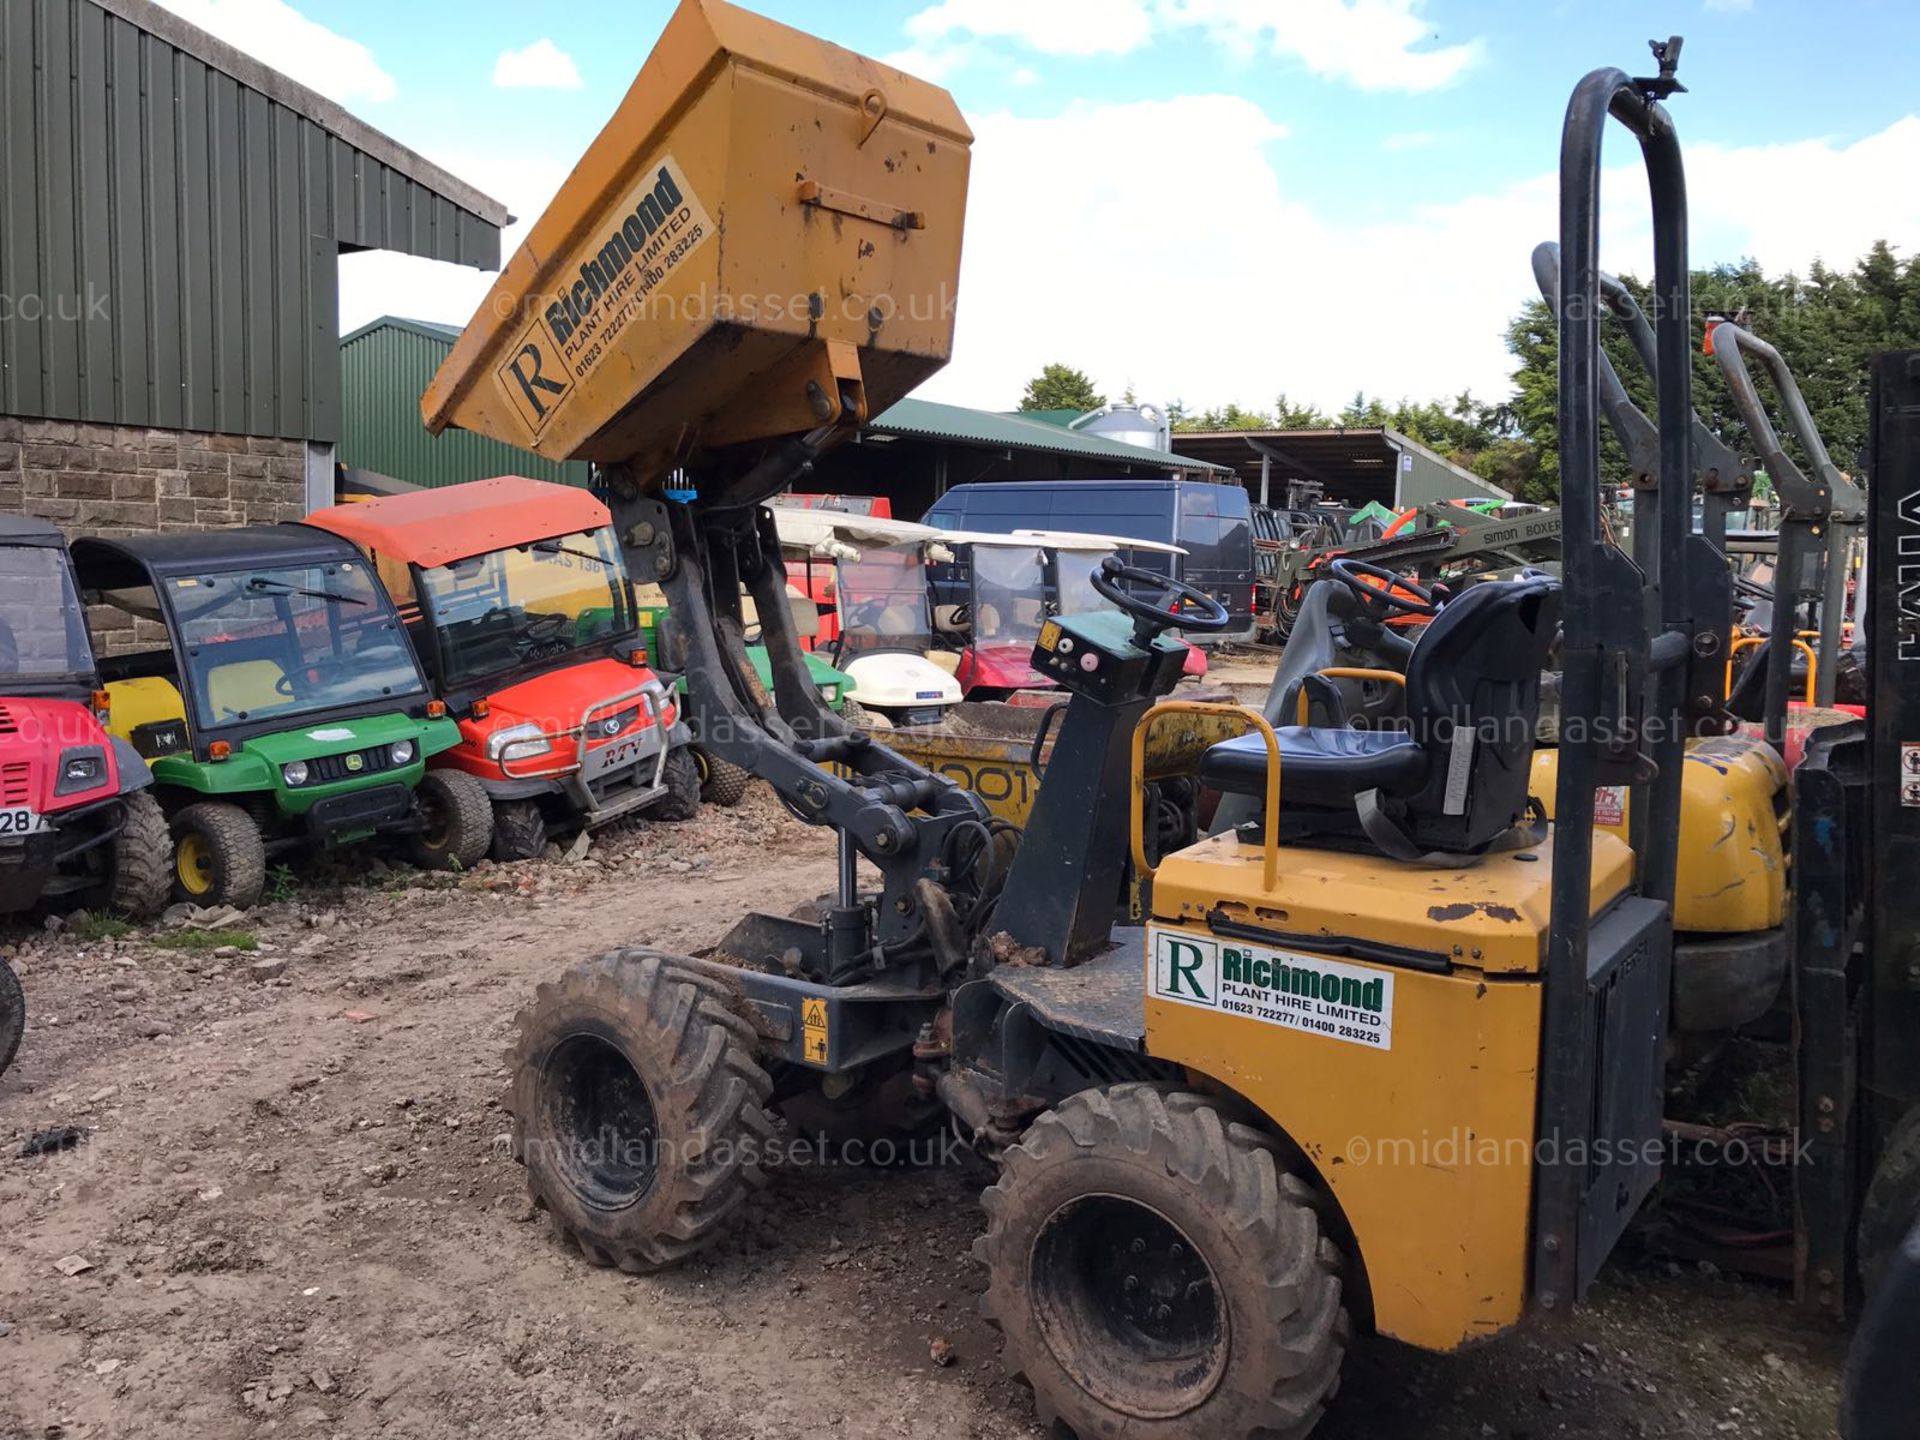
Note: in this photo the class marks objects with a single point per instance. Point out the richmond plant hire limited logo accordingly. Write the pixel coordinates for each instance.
(1350, 1003)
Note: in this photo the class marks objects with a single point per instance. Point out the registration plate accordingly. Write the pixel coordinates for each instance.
(616, 754)
(19, 820)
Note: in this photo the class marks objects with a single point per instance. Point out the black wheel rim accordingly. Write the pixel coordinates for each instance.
(601, 1122)
(1129, 1306)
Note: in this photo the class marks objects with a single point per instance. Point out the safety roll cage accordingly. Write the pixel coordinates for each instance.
(1644, 643)
(1821, 515)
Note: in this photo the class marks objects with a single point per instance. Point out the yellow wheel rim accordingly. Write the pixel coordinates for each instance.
(700, 766)
(193, 864)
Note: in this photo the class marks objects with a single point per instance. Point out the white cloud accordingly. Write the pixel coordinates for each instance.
(1218, 285)
(1372, 44)
(1053, 27)
(1368, 43)
(275, 33)
(1409, 140)
(543, 65)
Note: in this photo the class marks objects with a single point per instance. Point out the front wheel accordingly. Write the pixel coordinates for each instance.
(637, 1108)
(135, 875)
(1156, 1274)
(519, 831)
(219, 856)
(682, 779)
(456, 821)
(13, 1015)
(721, 781)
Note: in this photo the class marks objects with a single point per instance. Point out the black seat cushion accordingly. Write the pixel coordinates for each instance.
(1318, 765)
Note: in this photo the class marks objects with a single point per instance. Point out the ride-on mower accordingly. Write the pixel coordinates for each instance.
(1215, 1132)
(518, 602)
(287, 709)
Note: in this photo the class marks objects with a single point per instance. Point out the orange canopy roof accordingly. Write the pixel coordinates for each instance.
(455, 522)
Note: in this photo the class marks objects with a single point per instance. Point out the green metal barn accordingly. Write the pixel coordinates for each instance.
(384, 367)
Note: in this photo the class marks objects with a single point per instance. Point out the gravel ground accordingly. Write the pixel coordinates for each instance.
(293, 1214)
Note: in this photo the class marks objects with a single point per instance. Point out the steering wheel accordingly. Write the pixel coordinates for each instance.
(541, 627)
(1160, 611)
(1394, 592)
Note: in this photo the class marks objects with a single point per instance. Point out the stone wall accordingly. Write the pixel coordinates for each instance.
(124, 479)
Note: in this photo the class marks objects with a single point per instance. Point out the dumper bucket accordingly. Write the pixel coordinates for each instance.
(767, 224)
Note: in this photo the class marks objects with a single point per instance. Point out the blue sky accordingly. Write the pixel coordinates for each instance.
(1346, 189)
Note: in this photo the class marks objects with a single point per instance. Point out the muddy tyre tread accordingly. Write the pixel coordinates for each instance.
(141, 881)
(1293, 1288)
(519, 831)
(682, 779)
(13, 1015)
(468, 813)
(725, 783)
(239, 853)
(710, 1103)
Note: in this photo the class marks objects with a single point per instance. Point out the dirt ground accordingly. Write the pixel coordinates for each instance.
(296, 1215)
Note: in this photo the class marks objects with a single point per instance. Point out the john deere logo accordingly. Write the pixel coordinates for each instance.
(354, 762)
(1296, 992)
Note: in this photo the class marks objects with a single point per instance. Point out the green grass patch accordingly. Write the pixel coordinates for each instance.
(101, 927)
(206, 939)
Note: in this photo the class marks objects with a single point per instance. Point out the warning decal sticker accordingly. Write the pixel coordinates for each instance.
(1351, 1003)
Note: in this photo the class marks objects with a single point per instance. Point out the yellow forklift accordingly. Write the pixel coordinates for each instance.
(1221, 1134)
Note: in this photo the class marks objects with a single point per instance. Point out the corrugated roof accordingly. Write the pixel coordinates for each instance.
(430, 329)
(930, 420)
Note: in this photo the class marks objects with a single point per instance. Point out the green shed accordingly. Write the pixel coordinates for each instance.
(384, 368)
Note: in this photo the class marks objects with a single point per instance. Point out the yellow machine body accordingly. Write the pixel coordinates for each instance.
(1733, 817)
(1412, 1091)
(767, 222)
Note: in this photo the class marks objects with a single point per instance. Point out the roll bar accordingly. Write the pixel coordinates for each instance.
(1638, 638)
(1821, 514)
(1717, 471)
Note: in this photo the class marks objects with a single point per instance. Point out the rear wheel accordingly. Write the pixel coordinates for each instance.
(637, 1108)
(721, 781)
(1156, 1273)
(134, 869)
(682, 779)
(456, 821)
(13, 1015)
(519, 830)
(219, 856)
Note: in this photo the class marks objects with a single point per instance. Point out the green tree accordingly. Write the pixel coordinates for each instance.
(1827, 327)
(1061, 387)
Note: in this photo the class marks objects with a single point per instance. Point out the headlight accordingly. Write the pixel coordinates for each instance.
(80, 770)
(401, 752)
(294, 772)
(517, 742)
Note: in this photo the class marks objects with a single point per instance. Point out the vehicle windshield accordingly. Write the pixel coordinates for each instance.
(527, 605)
(1075, 569)
(288, 640)
(1009, 593)
(883, 601)
(38, 639)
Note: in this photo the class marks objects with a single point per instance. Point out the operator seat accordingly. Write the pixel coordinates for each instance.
(1455, 779)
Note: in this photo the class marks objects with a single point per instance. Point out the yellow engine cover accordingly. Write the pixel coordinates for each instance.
(1733, 868)
(1387, 1018)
